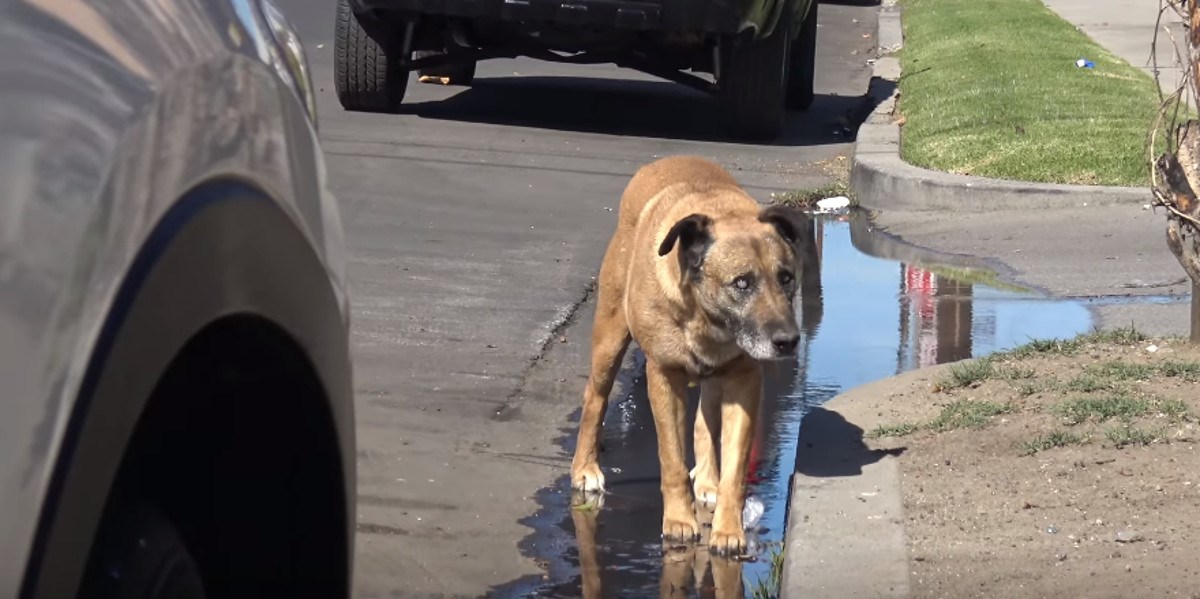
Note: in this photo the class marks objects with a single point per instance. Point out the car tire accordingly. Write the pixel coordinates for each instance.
(455, 74)
(803, 62)
(139, 554)
(754, 85)
(366, 66)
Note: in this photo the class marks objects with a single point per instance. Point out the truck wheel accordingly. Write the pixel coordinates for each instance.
(366, 65)
(755, 82)
(803, 63)
(139, 554)
(452, 74)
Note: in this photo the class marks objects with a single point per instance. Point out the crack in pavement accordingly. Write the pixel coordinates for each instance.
(509, 408)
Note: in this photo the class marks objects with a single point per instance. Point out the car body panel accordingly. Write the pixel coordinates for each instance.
(225, 249)
(110, 112)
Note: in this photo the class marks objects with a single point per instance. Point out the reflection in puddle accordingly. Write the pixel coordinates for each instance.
(871, 307)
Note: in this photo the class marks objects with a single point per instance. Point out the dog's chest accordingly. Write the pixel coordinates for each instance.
(708, 356)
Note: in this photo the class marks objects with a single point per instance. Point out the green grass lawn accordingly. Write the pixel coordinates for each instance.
(990, 88)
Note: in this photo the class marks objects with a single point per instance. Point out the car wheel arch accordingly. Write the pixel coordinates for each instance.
(224, 251)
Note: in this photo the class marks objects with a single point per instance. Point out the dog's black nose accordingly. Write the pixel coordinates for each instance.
(785, 341)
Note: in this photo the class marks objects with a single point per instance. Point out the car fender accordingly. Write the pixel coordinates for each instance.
(224, 249)
(115, 115)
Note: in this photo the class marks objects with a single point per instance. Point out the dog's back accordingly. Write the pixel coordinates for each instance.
(698, 173)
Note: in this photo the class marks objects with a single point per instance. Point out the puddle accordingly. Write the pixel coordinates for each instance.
(879, 307)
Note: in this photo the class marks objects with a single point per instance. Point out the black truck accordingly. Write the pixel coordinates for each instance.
(760, 53)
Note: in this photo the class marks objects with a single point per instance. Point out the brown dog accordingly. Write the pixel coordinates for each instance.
(703, 278)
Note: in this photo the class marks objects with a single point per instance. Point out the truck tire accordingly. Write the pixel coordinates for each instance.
(755, 83)
(139, 554)
(803, 63)
(366, 65)
(455, 74)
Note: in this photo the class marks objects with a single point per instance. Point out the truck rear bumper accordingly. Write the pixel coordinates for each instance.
(707, 16)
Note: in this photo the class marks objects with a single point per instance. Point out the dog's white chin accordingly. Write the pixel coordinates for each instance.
(758, 348)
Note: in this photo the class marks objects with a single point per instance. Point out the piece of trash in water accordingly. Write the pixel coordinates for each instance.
(834, 203)
(1084, 63)
(754, 547)
(752, 512)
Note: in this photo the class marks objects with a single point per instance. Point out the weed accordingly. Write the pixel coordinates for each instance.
(1121, 336)
(968, 414)
(968, 373)
(1101, 409)
(807, 198)
(1188, 371)
(1089, 383)
(1127, 434)
(1037, 386)
(1122, 371)
(895, 430)
(1014, 373)
(769, 588)
(1050, 441)
(1069, 347)
(1174, 409)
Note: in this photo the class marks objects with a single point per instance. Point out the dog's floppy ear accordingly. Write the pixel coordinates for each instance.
(691, 233)
(791, 224)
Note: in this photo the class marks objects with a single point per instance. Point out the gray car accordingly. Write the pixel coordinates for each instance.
(176, 417)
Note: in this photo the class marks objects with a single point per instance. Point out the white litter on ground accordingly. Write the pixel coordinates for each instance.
(834, 203)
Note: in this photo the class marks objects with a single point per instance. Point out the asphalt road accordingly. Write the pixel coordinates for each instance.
(476, 221)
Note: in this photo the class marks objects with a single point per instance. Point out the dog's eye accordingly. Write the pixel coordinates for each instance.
(741, 283)
(785, 277)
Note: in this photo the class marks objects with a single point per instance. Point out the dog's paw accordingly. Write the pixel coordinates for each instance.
(681, 530)
(588, 479)
(727, 543)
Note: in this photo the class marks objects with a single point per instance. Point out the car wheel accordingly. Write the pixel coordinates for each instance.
(755, 82)
(366, 66)
(139, 554)
(451, 74)
(803, 62)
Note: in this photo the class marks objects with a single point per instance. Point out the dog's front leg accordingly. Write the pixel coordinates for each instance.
(668, 390)
(708, 429)
(742, 392)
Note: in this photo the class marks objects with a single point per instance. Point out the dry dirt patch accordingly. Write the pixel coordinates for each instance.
(1062, 468)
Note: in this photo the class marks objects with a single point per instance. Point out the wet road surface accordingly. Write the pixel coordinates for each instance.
(475, 221)
(868, 316)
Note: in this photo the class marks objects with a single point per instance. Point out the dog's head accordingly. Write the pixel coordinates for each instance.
(742, 273)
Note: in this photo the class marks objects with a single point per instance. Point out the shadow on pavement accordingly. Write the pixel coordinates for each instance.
(830, 446)
(631, 107)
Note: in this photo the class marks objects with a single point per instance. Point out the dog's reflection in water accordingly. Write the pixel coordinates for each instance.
(687, 570)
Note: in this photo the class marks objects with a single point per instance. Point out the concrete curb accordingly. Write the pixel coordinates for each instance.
(845, 533)
(882, 181)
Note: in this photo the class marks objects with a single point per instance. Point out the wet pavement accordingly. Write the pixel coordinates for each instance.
(878, 308)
